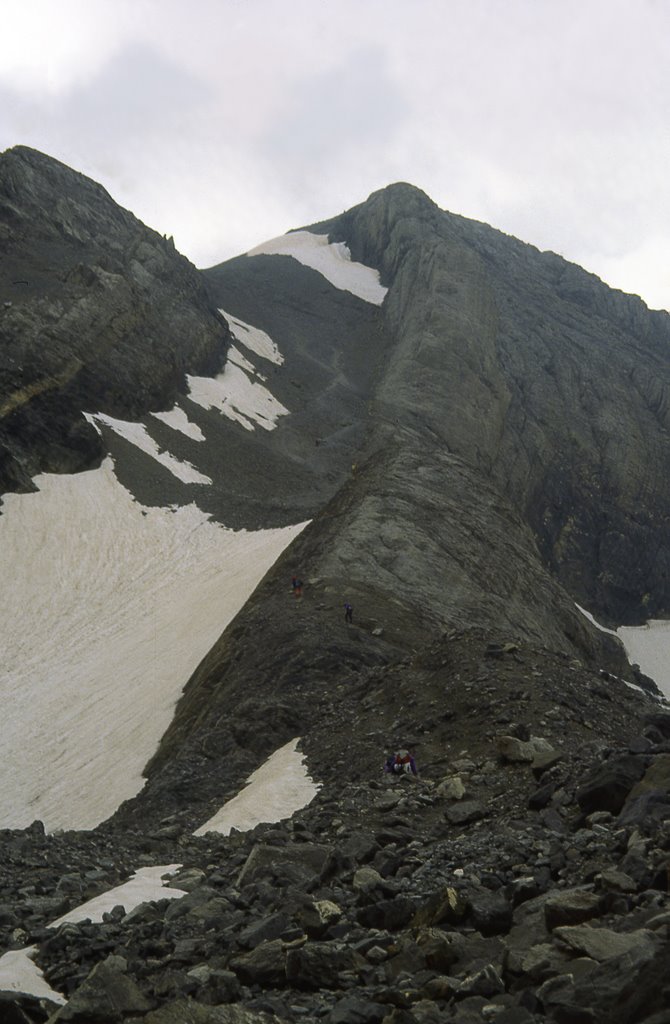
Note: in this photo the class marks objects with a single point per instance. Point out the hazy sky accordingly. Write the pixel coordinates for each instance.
(226, 122)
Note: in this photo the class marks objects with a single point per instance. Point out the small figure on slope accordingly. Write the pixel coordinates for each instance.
(402, 762)
(348, 612)
(296, 586)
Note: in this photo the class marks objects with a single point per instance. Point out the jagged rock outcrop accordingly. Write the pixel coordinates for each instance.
(97, 313)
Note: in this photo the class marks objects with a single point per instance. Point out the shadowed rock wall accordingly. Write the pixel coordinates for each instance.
(97, 313)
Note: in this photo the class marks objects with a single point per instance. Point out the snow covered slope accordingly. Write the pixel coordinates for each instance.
(106, 609)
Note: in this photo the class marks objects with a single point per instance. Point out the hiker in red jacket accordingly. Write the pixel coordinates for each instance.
(401, 761)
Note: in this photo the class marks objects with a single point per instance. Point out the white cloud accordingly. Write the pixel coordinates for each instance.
(229, 121)
(49, 48)
(643, 271)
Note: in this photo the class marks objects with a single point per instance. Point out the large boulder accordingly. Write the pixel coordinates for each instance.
(491, 913)
(649, 800)
(603, 943)
(264, 965)
(388, 914)
(608, 785)
(107, 995)
(320, 965)
(465, 812)
(571, 906)
(186, 1011)
(517, 751)
(304, 861)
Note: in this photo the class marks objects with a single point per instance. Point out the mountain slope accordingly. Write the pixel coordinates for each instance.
(496, 471)
(477, 432)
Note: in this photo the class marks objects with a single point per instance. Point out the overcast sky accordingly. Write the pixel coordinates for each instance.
(227, 122)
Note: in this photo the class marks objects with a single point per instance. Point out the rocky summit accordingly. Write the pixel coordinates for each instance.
(477, 433)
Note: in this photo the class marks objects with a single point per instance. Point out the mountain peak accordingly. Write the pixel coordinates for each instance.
(402, 191)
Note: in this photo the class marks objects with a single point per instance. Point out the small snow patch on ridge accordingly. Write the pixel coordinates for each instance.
(332, 259)
(177, 419)
(136, 433)
(592, 620)
(253, 338)
(145, 885)
(273, 792)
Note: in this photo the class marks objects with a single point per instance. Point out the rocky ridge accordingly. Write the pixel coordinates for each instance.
(537, 375)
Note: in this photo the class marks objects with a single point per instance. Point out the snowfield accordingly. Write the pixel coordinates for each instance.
(237, 392)
(106, 609)
(144, 886)
(18, 973)
(331, 259)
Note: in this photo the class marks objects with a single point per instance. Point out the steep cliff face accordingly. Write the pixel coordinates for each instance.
(97, 313)
(540, 377)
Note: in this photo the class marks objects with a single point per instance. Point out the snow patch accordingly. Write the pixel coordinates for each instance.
(649, 647)
(603, 629)
(178, 420)
(145, 885)
(273, 792)
(331, 259)
(237, 359)
(106, 609)
(253, 338)
(137, 434)
(18, 973)
(237, 396)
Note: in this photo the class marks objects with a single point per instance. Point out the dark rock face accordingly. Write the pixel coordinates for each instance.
(97, 313)
(540, 377)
